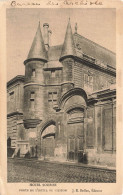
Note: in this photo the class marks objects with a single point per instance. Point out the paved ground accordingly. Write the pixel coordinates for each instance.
(22, 170)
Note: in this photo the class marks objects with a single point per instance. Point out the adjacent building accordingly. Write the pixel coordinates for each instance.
(64, 108)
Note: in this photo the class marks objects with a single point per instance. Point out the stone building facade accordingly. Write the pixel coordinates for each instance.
(64, 108)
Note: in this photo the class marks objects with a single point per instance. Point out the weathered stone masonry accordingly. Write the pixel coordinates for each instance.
(64, 108)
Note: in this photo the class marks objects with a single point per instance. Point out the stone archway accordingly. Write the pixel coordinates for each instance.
(74, 104)
(48, 140)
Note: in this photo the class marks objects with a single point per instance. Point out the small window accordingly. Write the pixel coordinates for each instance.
(32, 96)
(85, 79)
(52, 73)
(33, 72)
(11, 95)
(52, 98)
(32, 103)
(50, 103)
(88, 81)
(91, 82)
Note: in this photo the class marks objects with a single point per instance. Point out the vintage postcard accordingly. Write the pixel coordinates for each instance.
(61, 92)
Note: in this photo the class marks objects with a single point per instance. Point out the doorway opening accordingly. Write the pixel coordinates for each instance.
(48, 141)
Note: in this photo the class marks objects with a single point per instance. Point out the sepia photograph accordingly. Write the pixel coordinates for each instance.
(61, 95)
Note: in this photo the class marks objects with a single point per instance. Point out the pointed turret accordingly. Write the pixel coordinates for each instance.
(34, 81)
(37, 50)
(68, 48)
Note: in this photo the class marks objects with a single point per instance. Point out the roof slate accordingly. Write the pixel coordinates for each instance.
(54, 52)
(94, 50)
(87, 47)
(38, 50)
(68, 48)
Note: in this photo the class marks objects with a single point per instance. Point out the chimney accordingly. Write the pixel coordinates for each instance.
(46, 35)
(50, 33)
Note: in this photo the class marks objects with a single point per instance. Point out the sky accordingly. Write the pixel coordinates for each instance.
(98, 25)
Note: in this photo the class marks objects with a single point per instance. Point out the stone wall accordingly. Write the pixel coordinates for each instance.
(103, 152)
(15, 95)
(100, 79)
(12, 129)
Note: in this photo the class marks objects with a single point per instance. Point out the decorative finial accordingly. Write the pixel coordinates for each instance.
(76, 27)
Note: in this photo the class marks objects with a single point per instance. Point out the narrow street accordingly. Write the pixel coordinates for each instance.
(24, 170)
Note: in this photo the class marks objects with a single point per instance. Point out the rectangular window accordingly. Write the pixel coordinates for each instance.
(11, 95)
(32, 103)
(52, 98)
(32, 96)
(53, 73)
(88, 82)
(33, 72)
(32, 100)
(85, 79)
(91, 82)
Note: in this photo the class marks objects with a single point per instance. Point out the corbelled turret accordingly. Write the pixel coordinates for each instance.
(37, 50)
(34, 81)
(68, 48)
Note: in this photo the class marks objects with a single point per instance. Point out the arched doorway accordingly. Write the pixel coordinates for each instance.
(48, 141)
(73, 104)
(75, 132)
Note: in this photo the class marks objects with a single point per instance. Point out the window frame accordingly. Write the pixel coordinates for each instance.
(11, 95)
(88, 81)
(52, 97)
(33, 72)
(53, 73)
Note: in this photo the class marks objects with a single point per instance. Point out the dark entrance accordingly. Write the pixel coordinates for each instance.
(48, 146)
(75, 132)
(71, 148)
(76, 141)
(48, 141)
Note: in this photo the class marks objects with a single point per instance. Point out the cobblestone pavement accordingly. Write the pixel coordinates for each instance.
(22, 170)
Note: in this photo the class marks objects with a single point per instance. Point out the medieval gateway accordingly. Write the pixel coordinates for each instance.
(64, 108)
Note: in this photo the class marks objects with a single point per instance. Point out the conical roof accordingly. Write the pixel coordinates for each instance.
(37, 50)
(68, 48)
